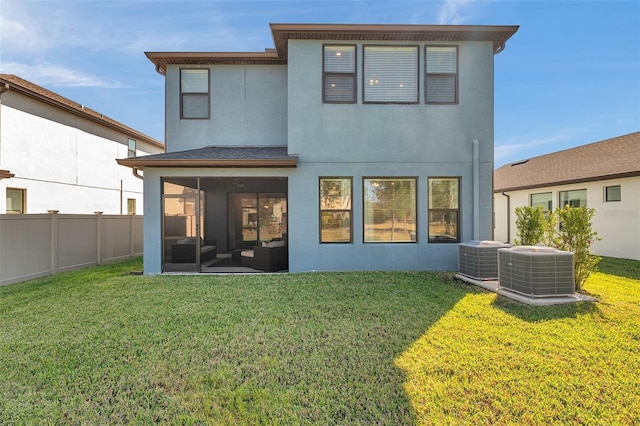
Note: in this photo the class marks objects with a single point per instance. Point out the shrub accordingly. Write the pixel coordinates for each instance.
(530, 224)
(576, 235)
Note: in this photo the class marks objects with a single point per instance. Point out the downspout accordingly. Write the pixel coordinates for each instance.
(476, 190)
(135, 170)
(508, 216)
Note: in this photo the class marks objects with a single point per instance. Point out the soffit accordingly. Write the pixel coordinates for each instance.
(282, 33)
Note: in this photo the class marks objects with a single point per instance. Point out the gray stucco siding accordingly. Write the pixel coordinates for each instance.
(248, 107)
(404, 133)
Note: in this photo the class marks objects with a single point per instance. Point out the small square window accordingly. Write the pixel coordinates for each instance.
(613, 193)
(16, 201)
(131, 206)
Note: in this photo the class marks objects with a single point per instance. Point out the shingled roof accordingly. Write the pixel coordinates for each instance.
(608, 159)
(27, 88)
(218, 156)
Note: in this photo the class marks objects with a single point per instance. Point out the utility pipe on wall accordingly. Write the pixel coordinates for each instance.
(476, 190)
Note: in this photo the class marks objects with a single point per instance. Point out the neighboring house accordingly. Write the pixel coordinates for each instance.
(362, 147)
(602, 175)
(56, 154)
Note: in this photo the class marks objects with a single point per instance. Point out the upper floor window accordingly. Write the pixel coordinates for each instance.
(390, 210)
(131, 148)
(390, 74)
(575, 198)
(335, 210)
(444, 210)
(543, 200)
(441, 75)
(612, 193)
(339, 74)
(194, 93)
(16, 201)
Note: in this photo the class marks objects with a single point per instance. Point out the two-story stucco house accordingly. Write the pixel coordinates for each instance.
(354, 147)
(56, 154)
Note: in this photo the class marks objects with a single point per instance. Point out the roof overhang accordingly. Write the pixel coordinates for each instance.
(6, 174)
(217, 156)
(568, 182)
(282, 33)
(141, 163)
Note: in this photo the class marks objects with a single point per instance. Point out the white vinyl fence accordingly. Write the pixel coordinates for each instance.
(37, 245)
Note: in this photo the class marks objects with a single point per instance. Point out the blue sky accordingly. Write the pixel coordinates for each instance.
(569, 76)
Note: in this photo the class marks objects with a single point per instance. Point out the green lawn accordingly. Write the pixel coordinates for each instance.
(101, 346)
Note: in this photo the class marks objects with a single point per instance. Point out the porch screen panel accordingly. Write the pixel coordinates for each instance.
(390, 74)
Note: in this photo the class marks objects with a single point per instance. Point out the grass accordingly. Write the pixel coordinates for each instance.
(99, 346)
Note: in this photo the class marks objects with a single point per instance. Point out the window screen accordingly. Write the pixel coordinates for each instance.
(442, 75)
(390, 74)
(194, 93)
(339, 74)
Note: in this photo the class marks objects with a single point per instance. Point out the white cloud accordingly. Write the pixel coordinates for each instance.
(516, 148)
(47, 74)
(20, 36)
(451, 12)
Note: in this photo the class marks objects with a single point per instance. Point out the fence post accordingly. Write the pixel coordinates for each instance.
(99, 219)
(132, 234)
(54, 240)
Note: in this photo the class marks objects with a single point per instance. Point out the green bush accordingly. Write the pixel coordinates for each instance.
(530, 224)
(574, 233)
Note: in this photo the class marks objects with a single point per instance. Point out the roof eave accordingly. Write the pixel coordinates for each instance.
(140, 163)
(569, 182)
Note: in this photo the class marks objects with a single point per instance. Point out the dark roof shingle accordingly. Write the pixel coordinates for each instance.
(608, 159)
(218, 156)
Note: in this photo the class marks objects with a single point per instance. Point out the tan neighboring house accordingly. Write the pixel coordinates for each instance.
(56, 154)
(602, 175)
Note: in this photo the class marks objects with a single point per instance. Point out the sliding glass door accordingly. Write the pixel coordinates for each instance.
(255, 218)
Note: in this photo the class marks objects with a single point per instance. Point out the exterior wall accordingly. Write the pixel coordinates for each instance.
(617, 222)
(64, 162)
(361, 140)
(277, 105)
(248, 107)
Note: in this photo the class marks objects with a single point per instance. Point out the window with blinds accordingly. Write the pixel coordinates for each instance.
(441, 75)
(194, 93)
(390, 74)
(339, 74)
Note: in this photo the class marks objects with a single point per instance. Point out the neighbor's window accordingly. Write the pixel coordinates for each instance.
(16, 198)
(335, 210)
(390, 74)
(575, 198)
(131, 150)
(194, 93)
(131, 206)
(442, 75)
(389, 210)
(339, 74)
(613, 193)
(543, 200)
(444, 210)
